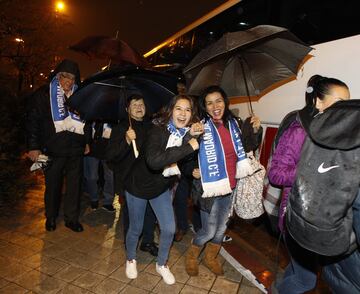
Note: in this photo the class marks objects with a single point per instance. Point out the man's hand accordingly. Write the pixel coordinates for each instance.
(130, 135)
(34, 155)
(196, 173)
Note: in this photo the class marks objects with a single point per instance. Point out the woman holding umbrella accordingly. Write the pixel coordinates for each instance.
(152, 176)
(222, 160)
(121, 153)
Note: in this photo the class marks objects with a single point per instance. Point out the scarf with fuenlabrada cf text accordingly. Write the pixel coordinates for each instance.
(212, 163)
(63, 118)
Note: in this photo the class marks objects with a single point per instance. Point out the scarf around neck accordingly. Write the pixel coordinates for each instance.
(212, 163)
(175, 139)
(63, 118)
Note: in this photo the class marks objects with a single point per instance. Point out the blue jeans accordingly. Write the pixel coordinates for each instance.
(91, 176)
(214, 224)
(163, 209)
(301, 273)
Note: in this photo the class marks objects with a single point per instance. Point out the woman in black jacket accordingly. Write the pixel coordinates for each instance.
(121, 155)
(152, 176)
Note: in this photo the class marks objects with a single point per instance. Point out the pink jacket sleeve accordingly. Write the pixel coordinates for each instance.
(286, 156)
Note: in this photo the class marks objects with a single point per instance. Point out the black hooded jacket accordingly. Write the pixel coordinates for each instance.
(319, 214)
(40, 127)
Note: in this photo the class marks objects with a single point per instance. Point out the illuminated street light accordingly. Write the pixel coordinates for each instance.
(19, 40)
(59, 6)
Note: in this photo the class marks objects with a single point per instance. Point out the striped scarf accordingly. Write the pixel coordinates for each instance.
(63, 118)
(212, 163)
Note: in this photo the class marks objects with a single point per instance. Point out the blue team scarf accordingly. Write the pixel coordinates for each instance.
(175, 139)
(212, 163)
(64, 120)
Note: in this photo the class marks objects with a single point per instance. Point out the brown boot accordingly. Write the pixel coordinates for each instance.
(211, 260)
(191, 262)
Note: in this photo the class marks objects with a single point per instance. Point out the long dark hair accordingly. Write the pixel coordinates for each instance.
(319, 86)
(202, 103)
(164, 115)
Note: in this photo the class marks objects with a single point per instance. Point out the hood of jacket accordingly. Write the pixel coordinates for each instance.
(338, 126)
(68, 66)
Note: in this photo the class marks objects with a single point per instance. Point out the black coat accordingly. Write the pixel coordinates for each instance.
(98, 144)
(145, 179)
(120, 154)
(40, 129)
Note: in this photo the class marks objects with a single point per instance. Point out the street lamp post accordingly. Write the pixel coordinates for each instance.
(20, 42)
(59, 6)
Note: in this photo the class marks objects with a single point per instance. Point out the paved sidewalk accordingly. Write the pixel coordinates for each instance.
(35, 261)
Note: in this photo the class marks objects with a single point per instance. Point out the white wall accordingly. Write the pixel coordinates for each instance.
(338, 59)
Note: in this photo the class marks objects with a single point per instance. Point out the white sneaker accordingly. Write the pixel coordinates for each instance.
(166, 274)
(131, 271)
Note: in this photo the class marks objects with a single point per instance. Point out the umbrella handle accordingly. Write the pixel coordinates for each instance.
(136, 152)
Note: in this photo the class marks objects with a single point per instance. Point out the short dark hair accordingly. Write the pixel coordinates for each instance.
(133, 97)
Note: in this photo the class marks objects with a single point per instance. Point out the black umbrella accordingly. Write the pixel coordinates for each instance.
(118, 51)
(247, 63)
(103, 96)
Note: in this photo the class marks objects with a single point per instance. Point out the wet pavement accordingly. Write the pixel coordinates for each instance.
(33, 260)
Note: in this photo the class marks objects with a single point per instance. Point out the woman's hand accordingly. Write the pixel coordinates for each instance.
(256, 123)
(194, 144)
(197, 129)
(130, 135)
(196, 173)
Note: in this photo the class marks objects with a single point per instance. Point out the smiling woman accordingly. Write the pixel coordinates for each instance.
(152, 176)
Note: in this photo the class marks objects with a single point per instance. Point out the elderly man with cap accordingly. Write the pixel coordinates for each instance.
(57, 132)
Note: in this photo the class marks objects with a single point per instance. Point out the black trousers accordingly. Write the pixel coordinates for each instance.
(70, 168)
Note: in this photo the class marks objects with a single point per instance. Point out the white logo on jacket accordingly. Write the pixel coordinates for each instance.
(322, 169)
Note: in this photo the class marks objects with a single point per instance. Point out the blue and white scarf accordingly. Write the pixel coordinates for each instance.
(175, 139)
(64, 120)
(212, 163)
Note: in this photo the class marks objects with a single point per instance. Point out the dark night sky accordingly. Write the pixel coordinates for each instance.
(141, 23)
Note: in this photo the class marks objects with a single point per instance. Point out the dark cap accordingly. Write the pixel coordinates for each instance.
(68, 66)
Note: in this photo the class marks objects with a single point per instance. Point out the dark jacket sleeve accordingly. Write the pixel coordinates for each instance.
(33, 121)
(118, 148)
(88, 132)
(356, 217)
(250, 139)
(188, 164)
(157, 156)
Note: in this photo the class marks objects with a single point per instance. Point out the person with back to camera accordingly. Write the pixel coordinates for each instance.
(222, 159)
(153, 175)
(301, 274)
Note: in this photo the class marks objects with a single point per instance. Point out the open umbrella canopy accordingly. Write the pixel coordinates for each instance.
(247, 63)
(104, 47)
(103, 96)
